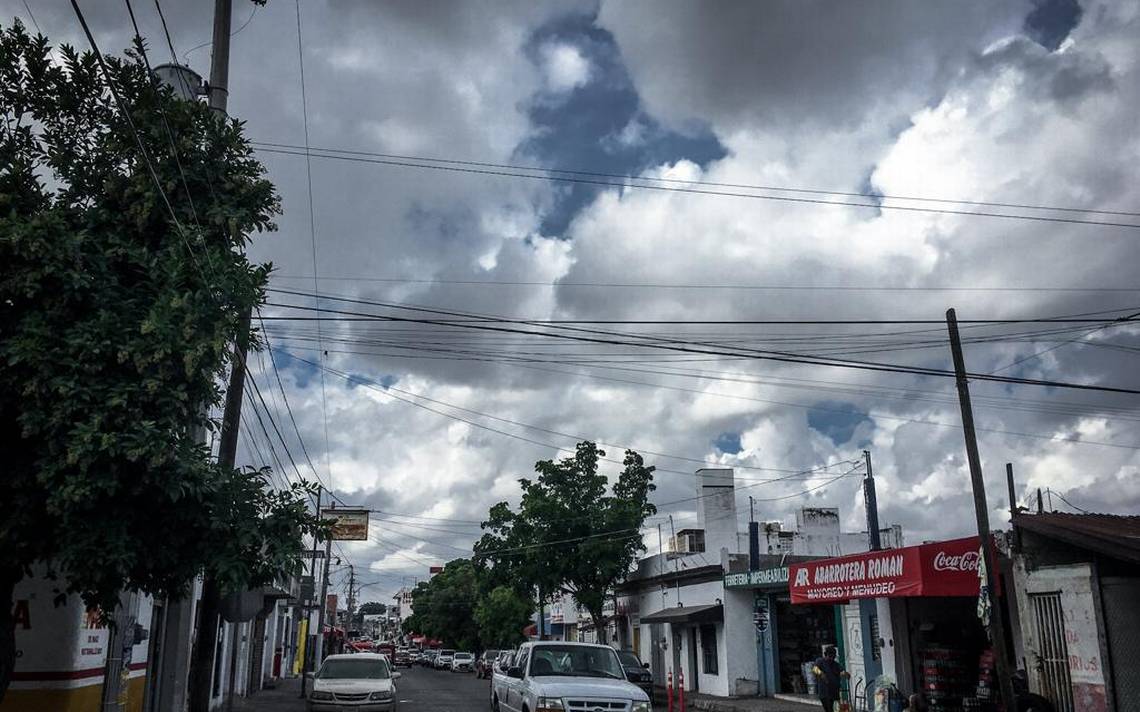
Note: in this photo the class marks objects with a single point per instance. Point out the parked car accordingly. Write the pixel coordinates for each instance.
(462, 662)
(429, 657)
(402, 658)
(636, 671)
(549, 674)
(443, 660)
(504, 661)
(359, 682)
(485, 662)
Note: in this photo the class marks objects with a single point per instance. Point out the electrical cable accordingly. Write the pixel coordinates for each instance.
(562, 177)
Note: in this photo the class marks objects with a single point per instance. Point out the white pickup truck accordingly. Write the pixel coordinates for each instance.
(552, 676)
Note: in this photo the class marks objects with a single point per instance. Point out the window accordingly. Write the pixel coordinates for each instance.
(575, 661)
(708, 649)
(350, 669)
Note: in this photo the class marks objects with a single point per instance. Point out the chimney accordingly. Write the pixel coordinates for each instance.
(717, 511)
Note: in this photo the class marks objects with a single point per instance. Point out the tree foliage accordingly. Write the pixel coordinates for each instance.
(373, 608)
(502, 614)
(116, 320)
(445, 606)
(572, 532)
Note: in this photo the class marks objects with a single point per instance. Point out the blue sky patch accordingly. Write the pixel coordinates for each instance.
(1051, 21)
(599, 126)
(728, 443)
(837, 421)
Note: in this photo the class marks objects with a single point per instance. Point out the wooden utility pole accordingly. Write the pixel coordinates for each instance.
(981, 511)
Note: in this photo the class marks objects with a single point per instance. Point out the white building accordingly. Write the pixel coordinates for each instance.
(677, 614)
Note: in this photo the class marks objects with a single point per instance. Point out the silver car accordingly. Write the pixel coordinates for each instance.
(361, 682)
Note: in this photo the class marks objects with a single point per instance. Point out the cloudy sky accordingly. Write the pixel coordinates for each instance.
(1024, 106)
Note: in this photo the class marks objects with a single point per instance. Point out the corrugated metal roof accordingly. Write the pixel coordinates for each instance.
(1110, 534)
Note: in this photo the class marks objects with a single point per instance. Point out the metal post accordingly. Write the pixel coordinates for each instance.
(318, 647)
(871, 504)
(997, 622)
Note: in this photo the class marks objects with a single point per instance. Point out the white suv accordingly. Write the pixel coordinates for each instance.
(463, 662)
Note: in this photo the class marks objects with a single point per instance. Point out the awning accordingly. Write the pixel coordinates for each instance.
(945, 568)
(687, 614)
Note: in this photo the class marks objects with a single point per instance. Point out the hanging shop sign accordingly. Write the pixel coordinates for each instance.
(776, 577)
(347, 524)
(947, 568)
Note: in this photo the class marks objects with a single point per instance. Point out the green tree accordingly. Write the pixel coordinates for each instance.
(502, 614)
(373, 608)
(116, 320)
(445, 605)
(569, 534)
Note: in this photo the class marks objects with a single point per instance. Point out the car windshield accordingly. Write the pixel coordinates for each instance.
(464, 656)
(490, 654)
(343, 669)
(575, 661)
(447, 653)
(628, 659)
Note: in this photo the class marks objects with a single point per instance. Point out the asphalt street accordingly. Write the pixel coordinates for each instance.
(422, 689)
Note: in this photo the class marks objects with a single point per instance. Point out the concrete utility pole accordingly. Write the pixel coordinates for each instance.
(206, 639)
(676, 560)
(871, 504)
(351, 594)
(1012, 506)
(981, 511)
(313, 575)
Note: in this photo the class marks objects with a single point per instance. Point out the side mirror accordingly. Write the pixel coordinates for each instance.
(515, 671)
(397, 675)
(645, 665)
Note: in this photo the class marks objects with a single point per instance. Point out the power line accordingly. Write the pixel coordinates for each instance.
(313, 234)
(669, 285)
(693, 187)
(678, 346)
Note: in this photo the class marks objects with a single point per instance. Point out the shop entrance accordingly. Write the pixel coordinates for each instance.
(952, 660)
(802, 632)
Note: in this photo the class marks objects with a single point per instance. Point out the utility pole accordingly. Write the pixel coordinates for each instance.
(318, 647)
(1012, 505)
(206, 640)
(981, 511)
(351, 595)
(676, 561)
(312, 575)
(871, 504)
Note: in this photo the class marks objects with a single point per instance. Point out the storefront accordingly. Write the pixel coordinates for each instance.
(939, 646)
(788, 636)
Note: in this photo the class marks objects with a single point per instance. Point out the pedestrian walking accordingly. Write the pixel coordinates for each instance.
(828, 672)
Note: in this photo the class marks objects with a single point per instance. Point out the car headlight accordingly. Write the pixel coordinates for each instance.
(381, 695)
(640, 707)
(549, 704)
(318, 695)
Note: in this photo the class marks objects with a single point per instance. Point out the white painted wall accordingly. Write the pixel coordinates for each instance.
(1082, 632)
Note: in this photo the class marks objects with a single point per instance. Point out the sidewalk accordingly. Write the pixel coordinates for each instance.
(707, 703)
(286, 697)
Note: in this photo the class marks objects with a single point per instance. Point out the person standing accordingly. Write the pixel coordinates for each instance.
(827, 675)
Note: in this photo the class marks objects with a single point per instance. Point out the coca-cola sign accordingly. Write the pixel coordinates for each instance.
(956, 562)
(945, 568)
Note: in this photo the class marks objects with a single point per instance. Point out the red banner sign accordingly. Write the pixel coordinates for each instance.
(946, 568)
